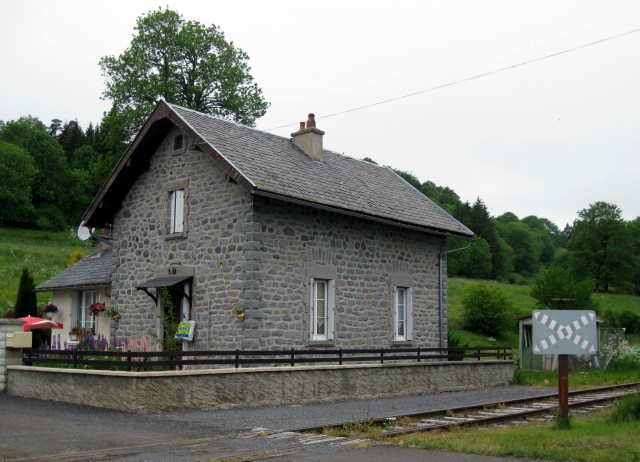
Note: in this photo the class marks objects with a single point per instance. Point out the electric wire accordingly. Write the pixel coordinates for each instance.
(467, 79)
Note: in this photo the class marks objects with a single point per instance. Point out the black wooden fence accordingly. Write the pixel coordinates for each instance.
(154, 360)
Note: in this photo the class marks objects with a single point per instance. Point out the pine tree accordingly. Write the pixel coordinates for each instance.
(26, 303)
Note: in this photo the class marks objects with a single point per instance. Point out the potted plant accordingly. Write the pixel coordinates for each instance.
(77, 332)
(49, 310)
(238, 313)
(113, 314)
(97, 308)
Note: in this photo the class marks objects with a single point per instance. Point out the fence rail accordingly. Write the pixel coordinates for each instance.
(150, 360)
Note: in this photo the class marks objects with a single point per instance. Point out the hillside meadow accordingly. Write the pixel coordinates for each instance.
(43, 253)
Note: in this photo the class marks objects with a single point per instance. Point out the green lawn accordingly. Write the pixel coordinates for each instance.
(43, 253)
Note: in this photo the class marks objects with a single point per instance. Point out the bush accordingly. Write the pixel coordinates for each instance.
(486, 310)
(626, 410)
(50, 218)
(629, 321)
(76, 256)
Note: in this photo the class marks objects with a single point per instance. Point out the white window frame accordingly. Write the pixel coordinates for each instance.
(327, 297)
(176, 212)
(402, 314)
(85, 320)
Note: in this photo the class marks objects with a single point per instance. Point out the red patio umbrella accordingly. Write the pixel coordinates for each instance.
(33, 322)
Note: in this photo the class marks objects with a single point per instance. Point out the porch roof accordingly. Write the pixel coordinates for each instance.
(90, 272)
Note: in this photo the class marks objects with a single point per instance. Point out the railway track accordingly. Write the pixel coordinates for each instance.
(486, 413)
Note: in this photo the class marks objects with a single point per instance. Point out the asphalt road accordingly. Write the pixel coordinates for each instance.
(36, 430)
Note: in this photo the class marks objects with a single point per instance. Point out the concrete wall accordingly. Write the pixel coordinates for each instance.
(251, 387)
(8, 356)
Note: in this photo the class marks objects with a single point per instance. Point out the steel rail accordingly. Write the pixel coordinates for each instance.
(455, 414)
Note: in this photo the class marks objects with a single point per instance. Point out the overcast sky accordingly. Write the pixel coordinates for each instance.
(547, 138)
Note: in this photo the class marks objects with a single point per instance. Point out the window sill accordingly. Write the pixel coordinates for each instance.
(320, 343)
(169, 237)
(402, 343)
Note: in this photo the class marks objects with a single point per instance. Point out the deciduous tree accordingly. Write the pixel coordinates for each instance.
(559, 284)
(17, 172)
(600, 247)
(185, 63)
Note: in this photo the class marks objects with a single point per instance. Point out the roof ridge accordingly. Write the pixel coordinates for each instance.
(267, 133)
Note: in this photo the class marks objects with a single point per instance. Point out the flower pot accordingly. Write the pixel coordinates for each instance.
(241, 316)
(49, 315)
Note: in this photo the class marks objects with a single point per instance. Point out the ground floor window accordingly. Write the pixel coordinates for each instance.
(322, 296)
(85, 320)
(403, 321)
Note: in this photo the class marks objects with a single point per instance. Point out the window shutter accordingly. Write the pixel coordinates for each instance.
(409, 313)
(312, 308)
(330, 308)
(179, 211)
(394, 311)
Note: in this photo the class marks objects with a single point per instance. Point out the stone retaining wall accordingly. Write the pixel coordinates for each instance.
(251, 387)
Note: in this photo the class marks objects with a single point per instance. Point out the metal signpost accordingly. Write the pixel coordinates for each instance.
(563, 333)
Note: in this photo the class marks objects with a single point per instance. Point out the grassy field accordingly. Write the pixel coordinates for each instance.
(590, 439)
(44, 254)
(523, 305)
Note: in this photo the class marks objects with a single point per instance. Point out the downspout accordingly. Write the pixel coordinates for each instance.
(441, 289)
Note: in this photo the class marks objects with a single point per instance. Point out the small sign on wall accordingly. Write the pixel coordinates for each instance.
(185, 330)
(565, 332)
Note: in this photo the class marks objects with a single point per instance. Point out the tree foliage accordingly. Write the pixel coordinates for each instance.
(556, 284)
(600, 246)
(474, 262)
(50, 186)
(17, 172)
(183, 62)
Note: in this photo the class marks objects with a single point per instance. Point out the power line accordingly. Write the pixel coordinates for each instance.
(467, 79)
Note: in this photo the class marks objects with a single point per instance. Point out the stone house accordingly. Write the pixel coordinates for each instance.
(209, 218)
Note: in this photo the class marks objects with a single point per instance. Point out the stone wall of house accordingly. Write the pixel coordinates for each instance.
(214, 245)
(258, 254)
(366, 256)
(8, 356)
(251, 387)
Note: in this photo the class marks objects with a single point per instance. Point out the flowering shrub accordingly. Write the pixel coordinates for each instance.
(97, 308)
(50, 308)
(91, 343)
(618, 350)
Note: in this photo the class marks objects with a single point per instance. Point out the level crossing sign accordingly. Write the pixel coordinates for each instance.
(564, 332)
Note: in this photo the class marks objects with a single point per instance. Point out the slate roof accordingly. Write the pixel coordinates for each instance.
(274, 166)
(92, 271)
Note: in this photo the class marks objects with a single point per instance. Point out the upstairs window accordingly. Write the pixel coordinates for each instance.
(177, 142)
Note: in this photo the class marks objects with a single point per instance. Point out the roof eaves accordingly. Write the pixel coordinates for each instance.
(471, 233)
(344, 211)
(161, 111)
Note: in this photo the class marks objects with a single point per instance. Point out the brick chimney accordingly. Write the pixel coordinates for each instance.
(309, 138)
